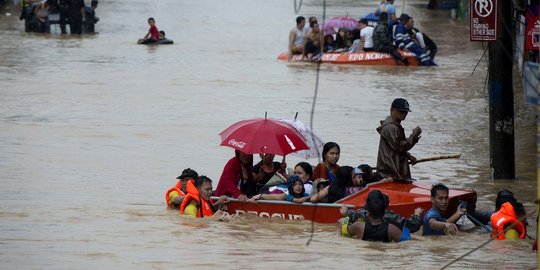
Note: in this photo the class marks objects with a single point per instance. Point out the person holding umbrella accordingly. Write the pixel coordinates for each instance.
(236, 173)
(263, 171)
(254, 136)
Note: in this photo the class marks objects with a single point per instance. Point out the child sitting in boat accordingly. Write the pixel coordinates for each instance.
(348, 181)
(329, 44)
(296, 192)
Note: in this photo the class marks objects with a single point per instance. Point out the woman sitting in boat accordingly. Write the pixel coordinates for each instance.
(236, 173)
(329, 167)
(348, 181)
(303, 170)
(296, 192)
(197, 202)
(342, 40)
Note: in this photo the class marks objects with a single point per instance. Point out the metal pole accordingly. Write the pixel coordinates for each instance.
(501, 97)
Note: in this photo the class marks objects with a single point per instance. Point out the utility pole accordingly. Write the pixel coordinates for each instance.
(501, 96)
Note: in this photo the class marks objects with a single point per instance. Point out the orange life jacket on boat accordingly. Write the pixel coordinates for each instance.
(175, 188)
(506, 216)
(204, 208)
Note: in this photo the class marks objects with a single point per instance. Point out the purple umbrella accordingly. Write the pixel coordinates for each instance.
(329, 27)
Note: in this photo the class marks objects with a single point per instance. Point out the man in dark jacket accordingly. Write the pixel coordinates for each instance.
(393, 157)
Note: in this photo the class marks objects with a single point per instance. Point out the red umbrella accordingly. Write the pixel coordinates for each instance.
(261, 135)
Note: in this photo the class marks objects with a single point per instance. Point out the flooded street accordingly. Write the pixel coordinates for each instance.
(94, 130)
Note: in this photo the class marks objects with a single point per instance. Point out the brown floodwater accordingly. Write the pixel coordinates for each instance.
(94, 130)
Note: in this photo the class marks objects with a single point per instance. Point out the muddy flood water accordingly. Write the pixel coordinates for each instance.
(95, 128)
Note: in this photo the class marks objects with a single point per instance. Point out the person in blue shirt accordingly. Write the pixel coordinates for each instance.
(434, 222)
(390, 9)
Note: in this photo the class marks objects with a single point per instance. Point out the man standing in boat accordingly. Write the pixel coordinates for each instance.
(393, 158)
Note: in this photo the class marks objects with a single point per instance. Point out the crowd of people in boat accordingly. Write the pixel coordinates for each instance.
(38, 15)
(329, 182)
(390, 34)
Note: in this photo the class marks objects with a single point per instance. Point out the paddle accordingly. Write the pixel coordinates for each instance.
(478, 223)
(432, 159)
(438, 158)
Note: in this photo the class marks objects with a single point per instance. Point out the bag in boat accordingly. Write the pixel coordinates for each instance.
(276, 179)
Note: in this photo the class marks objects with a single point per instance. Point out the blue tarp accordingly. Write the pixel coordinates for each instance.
(371, 17)
(531, 76)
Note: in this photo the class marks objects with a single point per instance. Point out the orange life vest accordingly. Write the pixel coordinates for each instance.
(204, 208)
(175, 188)
(506, 216)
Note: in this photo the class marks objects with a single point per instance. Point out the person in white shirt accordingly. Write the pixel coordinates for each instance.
(366, 36)
(297, 37)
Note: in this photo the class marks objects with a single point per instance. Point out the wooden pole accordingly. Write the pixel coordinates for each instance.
(432, 159)
(438, 158)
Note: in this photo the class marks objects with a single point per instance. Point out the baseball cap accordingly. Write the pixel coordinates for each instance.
(357, 170)
(188, 173)
(401, 105)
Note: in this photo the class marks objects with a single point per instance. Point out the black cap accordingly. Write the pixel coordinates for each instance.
(188, 173)
(401, 105)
